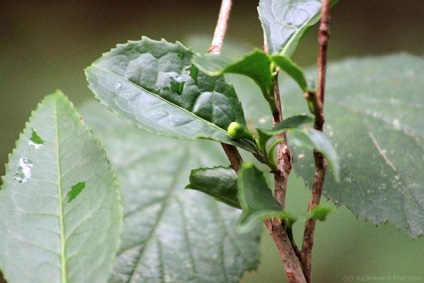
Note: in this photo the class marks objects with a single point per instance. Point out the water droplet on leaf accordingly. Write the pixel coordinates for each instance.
(118, 85)
(23, 172)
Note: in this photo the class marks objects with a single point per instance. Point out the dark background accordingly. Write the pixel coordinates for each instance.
(45, 45)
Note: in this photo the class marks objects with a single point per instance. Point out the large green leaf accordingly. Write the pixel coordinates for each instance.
(170, 234)
(60, 208)
(285, 22)
(374, 116)
(153, 85)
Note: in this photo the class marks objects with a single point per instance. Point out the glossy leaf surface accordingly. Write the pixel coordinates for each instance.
(170, 234)
(153, 85)
(45, 237)
(374, 112)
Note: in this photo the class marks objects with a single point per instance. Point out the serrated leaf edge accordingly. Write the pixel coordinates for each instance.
(79, 119)
(223, 131)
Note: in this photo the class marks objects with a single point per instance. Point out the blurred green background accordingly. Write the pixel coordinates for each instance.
(45, 45)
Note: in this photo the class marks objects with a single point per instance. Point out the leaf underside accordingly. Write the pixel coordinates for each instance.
(374, 116)
(153, 85)
(43, 236)
(218, 182)
(170, 234)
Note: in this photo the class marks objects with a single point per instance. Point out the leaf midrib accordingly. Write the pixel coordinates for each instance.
(210, 124)
(60, 199)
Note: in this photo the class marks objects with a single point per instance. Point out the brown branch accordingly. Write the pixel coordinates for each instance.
(233, 156)
(221, 27)
(284, 157)
(287, 250)
(278, 232)
(232, 153)
(320, 163)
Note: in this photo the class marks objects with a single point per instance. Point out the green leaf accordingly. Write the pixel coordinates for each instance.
(162, 219)
(294, 122)
(298, 122)
(293, 70)
(153, 85)
(219, 182)
(303, 137)
(255, 65)
(43, 236)
(256, 199)
(285, 22)
(313, 139)
(374, 113)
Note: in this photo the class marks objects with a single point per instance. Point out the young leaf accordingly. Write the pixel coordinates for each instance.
(374, 113)
(313, 139)
(286, 21)
(297, 122)
(293, 70)
(44, 236)
(255, 65)
(153, 85)
(294, 122)
(161, 218)
(256, 199)
(304, 137)
(219, 182)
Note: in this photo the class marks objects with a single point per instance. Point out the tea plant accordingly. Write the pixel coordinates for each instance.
(71, 215)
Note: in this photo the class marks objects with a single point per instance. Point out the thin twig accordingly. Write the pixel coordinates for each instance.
(233, 156)
(284, 157)
(232, 153)
(320, 163)
(221, 27)
(288, 252)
